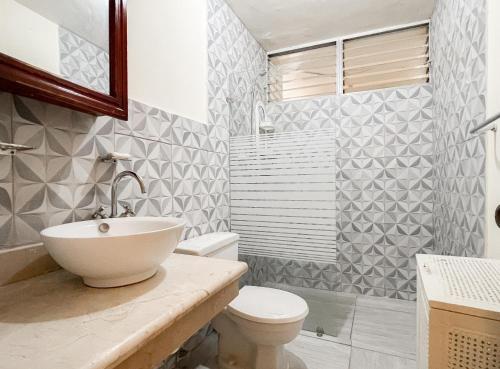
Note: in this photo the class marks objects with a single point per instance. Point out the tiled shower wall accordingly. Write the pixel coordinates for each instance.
(458, 52)
(235, 62)
(308, 114)
(410, 176)
(184, 165)
(383, 191)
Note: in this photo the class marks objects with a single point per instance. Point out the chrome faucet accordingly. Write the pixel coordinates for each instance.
(118, 178)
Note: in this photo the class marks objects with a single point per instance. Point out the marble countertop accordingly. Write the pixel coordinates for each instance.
(54, 321)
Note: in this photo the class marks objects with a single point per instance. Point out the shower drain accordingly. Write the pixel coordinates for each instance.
(320, 331)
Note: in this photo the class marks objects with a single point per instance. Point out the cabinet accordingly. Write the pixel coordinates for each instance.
(458, 313)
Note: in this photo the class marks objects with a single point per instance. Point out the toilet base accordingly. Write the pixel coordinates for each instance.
(253, 336)
(249, 345)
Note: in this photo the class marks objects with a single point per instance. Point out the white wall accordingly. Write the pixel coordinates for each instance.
(34, 40)
(86, 18)
(167, 55)
(493, 107)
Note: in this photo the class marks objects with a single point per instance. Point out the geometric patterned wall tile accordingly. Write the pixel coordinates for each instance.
(410, 178)
(124, 127)
(146, 122)
(307, 114)
(264, 270)
(6, 213)
(6, 178)
(384, 188)
(200, 187)
(384, 176)
(6, 183)
(62, 180)
(5, 117)
(146, 163)
(189, 133)
(378, 165)
(459, 77)
(236, 64)
(182, 178)
(82, 62)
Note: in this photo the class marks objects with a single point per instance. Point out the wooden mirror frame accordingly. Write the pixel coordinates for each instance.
(23, 79)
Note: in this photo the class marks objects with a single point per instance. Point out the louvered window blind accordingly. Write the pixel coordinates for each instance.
(392, 59)
(303, 73)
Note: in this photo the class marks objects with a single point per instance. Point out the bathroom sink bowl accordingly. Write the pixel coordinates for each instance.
(129, 251)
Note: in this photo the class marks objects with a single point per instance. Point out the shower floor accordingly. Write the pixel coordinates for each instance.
(356, 332)
(331, 315)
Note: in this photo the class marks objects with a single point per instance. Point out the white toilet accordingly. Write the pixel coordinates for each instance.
(256, 325)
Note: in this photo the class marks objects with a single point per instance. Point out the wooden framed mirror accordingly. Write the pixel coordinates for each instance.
(71, 53)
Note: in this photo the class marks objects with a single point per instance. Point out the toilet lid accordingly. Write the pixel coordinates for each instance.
(268, 305)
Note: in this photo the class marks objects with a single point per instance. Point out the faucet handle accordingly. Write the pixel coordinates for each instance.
(129, 212)
(100, 213)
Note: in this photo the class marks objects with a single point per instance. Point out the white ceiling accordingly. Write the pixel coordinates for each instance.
(86, 18)
(279, 24)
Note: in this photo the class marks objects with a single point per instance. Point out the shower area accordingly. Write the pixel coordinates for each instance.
(333, 204)
(283, 194)
(333, 195)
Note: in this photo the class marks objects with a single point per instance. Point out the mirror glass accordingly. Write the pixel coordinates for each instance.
(68, 38)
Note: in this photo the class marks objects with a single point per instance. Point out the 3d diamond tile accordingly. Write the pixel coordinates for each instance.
(459, 160)
(83, 62)
(235, 61)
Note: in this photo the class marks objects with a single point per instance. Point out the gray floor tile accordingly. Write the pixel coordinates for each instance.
(386, 304)
(388, 331)
(319, 354)
(383, 334)
(364, 359)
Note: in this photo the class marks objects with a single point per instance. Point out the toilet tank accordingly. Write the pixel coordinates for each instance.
(221, 245)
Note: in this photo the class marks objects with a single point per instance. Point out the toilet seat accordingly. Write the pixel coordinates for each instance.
(268, 305)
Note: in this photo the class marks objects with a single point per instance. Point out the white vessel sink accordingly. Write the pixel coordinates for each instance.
(129, 252)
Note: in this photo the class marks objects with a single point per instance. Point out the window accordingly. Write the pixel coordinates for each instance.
(392, 59)
(389, 59)
(303, 73)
